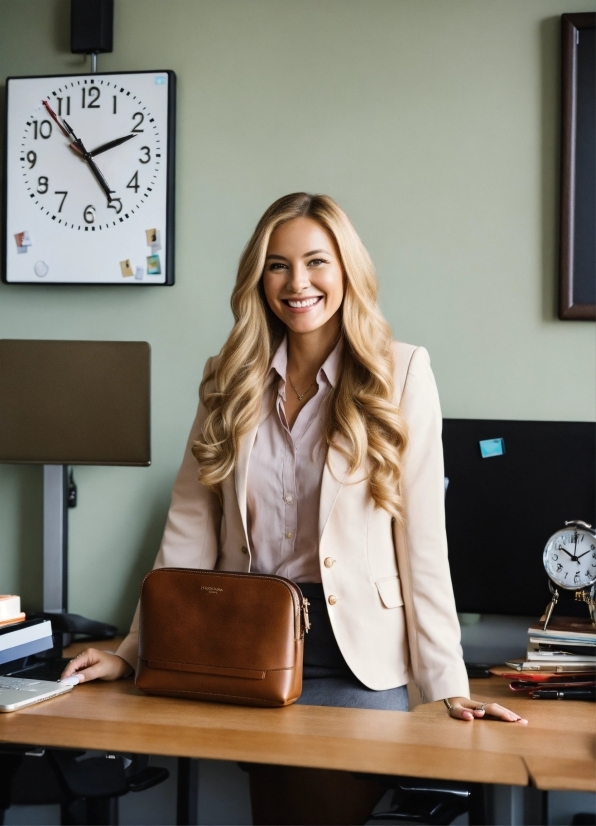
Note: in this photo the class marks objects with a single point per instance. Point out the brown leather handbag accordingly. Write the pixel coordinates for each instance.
(222, 637)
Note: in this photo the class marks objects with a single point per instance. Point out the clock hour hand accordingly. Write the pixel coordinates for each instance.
(584, 553)
(110, 145)
(79, 146)
(54, 117)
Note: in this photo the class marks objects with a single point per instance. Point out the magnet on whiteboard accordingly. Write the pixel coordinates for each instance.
(139, 273)
(41, 269)
(126, 269)
(23, 240)
(153, 265)
(153, 239)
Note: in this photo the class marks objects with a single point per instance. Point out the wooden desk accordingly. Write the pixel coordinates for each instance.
(117, 717)
(555, 751)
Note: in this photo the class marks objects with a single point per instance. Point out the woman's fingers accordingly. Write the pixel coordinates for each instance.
(97, 665)
(505, 714)
(464, 709)
(81, 661)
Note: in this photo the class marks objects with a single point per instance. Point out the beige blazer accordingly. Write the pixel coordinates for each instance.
(388, 588)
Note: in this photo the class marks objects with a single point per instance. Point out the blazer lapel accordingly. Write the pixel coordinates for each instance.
(334, 475)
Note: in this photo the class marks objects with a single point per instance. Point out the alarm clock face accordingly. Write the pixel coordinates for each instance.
(570, 558)
(89, 179)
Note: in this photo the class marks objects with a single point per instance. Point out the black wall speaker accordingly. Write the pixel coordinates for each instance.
(91, 26)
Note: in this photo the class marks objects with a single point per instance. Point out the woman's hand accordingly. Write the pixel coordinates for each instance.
(97, 665)
(461, 708)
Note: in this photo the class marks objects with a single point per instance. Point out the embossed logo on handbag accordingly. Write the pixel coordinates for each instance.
(211, 589)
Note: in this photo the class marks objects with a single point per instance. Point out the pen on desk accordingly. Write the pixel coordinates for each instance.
(564, 694)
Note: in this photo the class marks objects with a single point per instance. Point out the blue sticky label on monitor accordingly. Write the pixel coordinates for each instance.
(492, 447)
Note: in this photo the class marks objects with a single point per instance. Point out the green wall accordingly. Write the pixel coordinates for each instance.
(433, 122)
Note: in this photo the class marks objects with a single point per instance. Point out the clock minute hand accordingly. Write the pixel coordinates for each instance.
(110, 145)
(584, 553)
(78, 143)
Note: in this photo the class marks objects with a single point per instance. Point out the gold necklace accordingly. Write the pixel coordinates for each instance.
(300, 395)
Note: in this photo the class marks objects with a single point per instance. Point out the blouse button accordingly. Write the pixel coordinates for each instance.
(289, 498)
(332, 600)
(289, 535)
(328, 563)
(244, 549)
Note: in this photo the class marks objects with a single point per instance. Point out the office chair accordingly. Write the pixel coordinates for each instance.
(433, 802)
(86, 789)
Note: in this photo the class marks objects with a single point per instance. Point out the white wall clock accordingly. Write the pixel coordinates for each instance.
(89, 179)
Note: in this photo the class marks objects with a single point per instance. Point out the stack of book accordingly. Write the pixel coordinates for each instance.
(570, 640)
(10, 609)
(567, 646)
(20, 637)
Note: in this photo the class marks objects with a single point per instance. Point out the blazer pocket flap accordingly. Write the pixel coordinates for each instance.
(390, 591)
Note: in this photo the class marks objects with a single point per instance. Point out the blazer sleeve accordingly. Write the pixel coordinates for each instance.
(191, 535)
(421, 543)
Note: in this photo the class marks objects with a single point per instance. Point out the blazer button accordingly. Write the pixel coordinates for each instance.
(332, 600)
(244, 549)
(328, 563)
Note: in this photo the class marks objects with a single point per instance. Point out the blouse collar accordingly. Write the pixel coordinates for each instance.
(329, 370)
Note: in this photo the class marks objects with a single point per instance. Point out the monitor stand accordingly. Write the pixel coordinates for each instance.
(55, 560)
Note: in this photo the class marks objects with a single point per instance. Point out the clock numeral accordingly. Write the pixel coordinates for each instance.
(593, 547)
(92, 94)
(555, 557)
(42, 185)
(112, 205)
(566, 574)
(134, 182)
(588, 574)
(89, 214)
(44, 129)
(559, 567)
(64, 194)
(138, 123)
(147, 152)
(67, 105)
(31, 158)
(114, 98)
(576, 578)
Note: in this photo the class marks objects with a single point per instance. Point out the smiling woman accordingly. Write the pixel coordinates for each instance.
(318, 445)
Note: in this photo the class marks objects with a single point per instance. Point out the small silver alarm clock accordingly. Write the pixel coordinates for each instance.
(570, 561)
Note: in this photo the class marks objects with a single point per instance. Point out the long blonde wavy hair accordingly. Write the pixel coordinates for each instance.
(362, 420)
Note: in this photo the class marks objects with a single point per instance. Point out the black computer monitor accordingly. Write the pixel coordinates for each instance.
(501, 509)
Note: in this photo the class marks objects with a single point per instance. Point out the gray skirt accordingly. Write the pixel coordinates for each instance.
(327, 679)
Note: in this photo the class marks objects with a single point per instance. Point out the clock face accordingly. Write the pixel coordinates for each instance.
(570, 558)
(57, 177)
(90, 179)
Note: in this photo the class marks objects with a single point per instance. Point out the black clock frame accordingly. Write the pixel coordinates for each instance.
(170, 189)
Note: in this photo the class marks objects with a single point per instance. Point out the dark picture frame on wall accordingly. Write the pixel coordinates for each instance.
(577, 278)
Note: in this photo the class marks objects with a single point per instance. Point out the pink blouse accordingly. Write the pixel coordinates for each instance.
(284, 478)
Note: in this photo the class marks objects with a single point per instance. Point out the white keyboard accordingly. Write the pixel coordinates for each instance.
(19, 684)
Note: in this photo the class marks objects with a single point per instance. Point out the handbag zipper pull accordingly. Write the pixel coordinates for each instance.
(306, 618)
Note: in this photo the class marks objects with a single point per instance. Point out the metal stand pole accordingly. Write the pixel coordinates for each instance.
(187, 804)
(55, 538)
